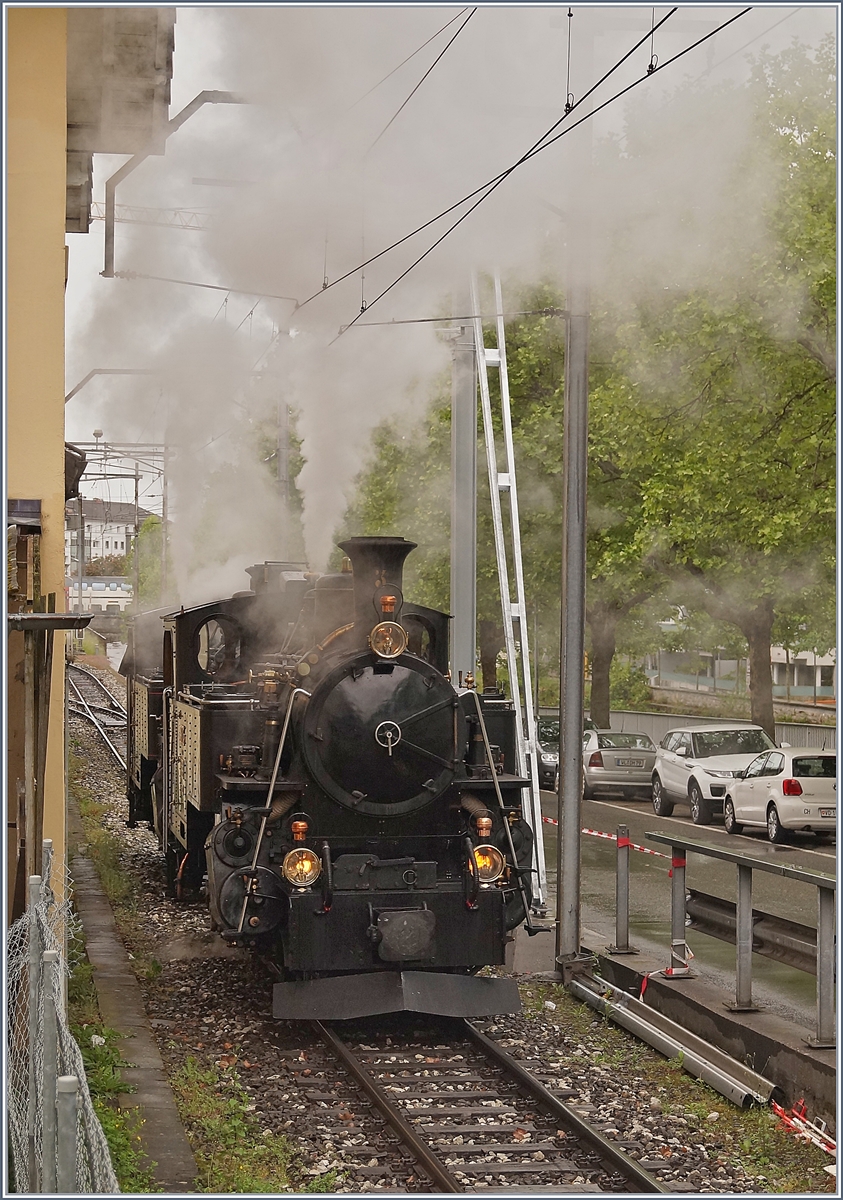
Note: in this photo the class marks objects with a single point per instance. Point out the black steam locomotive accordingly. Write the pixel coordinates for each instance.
(304, 756)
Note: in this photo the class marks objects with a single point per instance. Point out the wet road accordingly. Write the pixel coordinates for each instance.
(788, 991)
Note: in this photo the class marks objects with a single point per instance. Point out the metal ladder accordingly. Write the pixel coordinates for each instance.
(514, 612)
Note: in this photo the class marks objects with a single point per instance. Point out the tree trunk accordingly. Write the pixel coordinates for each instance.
(491, 643)
(757, 629)
(603, 624)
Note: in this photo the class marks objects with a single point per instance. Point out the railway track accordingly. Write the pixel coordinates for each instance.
(458, 1113)
(89, 697)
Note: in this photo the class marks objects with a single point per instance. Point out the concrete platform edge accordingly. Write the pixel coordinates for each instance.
(763, 1041)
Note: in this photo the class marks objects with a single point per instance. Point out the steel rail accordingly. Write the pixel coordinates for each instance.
(607, 1151)
(115, 703)
(108, 712)
(430, 1162)
(98, 725)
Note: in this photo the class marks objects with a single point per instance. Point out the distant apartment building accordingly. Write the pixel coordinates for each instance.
(108, 528)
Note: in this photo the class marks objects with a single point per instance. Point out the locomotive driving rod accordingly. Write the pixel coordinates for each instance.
(295, 692)
(532, 930)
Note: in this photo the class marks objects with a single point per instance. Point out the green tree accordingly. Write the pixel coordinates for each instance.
(109, 564)
(738, 506)
(148, 551)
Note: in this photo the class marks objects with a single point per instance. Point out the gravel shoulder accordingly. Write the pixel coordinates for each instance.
(208, 1006)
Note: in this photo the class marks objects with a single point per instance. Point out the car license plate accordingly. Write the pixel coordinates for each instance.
(629, 762)
(828, 812)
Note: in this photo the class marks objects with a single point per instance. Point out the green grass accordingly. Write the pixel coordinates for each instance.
(231, 1151)
(105, 849)
(102, 1071)
(102, 846)
(752, 1138)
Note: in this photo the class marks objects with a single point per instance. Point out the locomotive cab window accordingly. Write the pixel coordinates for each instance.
(420, 637)
(218, 648)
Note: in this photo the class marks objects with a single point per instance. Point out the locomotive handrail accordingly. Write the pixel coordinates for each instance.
(192, 698)
(327, 878)
(295, 692)
(473, 892)
(531, 928)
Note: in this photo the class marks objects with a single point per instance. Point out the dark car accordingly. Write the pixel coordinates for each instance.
(548, 739)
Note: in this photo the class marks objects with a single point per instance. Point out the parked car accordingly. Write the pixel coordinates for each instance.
(783, 790)
(617, 762)
(695, 764)
(547, 732)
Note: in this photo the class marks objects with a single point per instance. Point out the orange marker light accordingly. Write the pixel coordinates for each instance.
(299, 829)
(490, 863)
(387, 604)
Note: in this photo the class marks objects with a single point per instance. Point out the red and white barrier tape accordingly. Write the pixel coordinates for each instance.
(812, 1131)
(613, 837)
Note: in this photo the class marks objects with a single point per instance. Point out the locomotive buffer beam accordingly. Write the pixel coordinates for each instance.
(351, 996)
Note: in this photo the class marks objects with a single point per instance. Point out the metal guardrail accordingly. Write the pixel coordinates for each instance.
(679, 952)
(657, 724)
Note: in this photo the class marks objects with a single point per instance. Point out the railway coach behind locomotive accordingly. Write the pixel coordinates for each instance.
(358, 818)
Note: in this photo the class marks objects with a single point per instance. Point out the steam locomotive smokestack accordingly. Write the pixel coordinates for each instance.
(378, 566)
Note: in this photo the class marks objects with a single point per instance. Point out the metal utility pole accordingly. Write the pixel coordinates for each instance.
(164, 505)
(80, 550)
(463, 508)
(136, 580)
(572, 647)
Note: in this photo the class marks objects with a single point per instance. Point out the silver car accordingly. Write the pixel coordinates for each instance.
(617, 762)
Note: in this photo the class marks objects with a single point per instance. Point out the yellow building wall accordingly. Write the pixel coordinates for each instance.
(35, 267)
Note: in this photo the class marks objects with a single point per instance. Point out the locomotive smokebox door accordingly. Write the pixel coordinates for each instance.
(406, 935)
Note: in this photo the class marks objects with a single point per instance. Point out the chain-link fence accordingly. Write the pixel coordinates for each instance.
(56, 1141)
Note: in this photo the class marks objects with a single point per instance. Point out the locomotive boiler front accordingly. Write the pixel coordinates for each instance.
(380, 737)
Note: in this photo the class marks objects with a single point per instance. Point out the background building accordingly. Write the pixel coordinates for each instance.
(78, 81)
(108, 530)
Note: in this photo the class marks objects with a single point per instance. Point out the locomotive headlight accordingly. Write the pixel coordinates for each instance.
(388, 639)
(490, 863)
(301, 867)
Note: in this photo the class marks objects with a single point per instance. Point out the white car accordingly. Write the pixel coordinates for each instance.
(785, 790)
(696, 765)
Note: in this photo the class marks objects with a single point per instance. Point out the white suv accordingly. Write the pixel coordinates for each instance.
(695, 764)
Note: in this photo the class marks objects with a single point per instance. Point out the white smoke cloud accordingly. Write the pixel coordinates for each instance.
(320, 186)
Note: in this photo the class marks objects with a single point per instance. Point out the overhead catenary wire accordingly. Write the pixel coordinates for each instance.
(224, 305)
(404, 61)
(569, 95)
(496, 178)
(250, 313)
(214, 287)
(523, 312)
(762, 34)
(544, 145)
(654, 58)
(421, 81)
